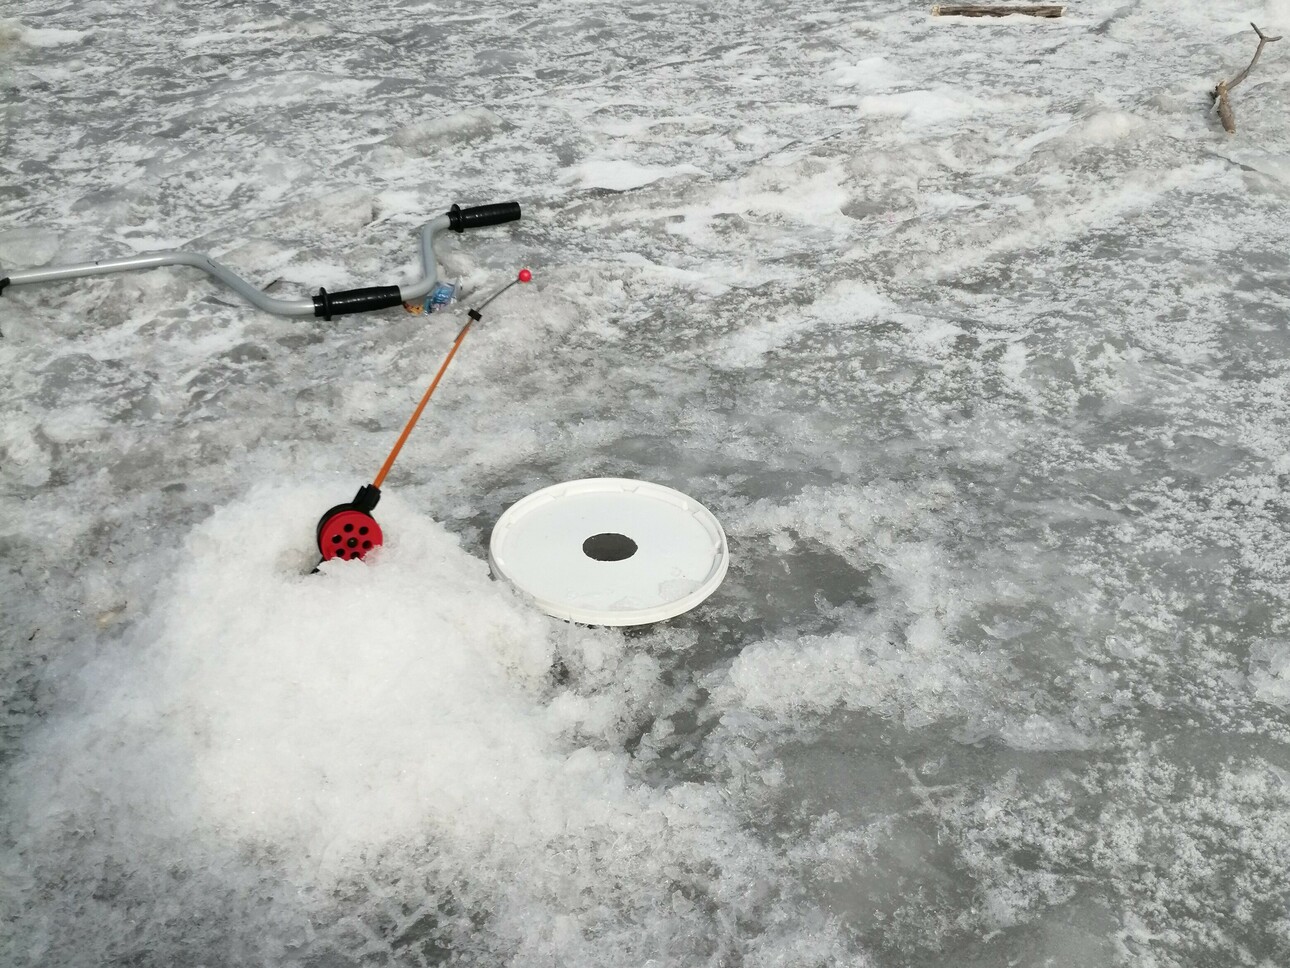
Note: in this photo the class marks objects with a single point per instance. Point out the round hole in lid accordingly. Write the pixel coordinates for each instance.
(609, 546)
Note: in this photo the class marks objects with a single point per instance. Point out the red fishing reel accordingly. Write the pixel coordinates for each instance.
(349, 531)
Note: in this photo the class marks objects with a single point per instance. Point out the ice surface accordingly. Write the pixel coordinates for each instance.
(972, 333)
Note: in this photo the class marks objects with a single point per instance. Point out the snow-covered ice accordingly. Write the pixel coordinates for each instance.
(974, 335)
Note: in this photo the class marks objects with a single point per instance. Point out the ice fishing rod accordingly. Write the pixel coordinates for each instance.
(349, 531)
(325, 304)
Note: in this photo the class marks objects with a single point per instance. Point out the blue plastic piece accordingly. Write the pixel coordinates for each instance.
(441, 297)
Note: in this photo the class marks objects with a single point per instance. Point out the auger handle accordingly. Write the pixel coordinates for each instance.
(324, 304)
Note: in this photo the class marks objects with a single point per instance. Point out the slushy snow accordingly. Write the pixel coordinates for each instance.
(972, 333)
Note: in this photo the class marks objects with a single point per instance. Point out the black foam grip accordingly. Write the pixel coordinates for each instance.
(329, 304)
(460, 219)
(4, 282)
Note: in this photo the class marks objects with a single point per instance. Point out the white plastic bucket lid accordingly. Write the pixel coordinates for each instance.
(610, 551)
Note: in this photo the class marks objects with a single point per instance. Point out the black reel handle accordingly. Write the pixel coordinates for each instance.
(460, 219)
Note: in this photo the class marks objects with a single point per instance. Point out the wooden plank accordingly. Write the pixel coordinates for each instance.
(997, 10)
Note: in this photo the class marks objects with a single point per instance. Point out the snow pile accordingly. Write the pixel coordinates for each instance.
(407, 713)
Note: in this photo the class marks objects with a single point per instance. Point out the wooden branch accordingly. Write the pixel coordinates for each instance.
(1263, 39)
(1220, 93)
(1225, 108)
(997, 10)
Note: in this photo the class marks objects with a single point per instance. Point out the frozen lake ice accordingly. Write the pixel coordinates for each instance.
(973, 334)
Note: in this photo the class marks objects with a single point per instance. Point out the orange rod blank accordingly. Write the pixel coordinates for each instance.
(524, 276)
(416, 414)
